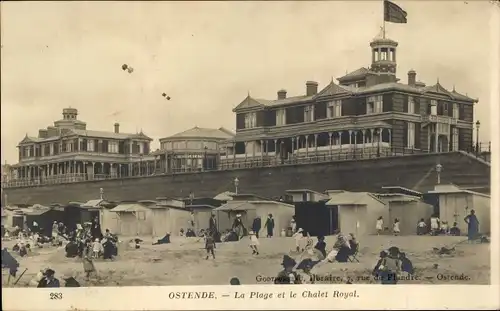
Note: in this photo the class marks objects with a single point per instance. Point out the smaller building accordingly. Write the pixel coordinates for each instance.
(225, 196)
(311, 212)
(358, 211)
(196, 149)
(407, 209)
(250, 207)
(134, 218)
(455, 204)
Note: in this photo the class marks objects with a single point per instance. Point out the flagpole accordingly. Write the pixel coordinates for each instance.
(383, 19)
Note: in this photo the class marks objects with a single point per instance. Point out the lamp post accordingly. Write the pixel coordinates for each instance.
(439, 167)
(140, 164)
(101, 193)
(236, 183)
(378, 143)
(477, 136)
(205, 162)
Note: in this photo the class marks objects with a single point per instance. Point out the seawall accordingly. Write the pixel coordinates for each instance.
(356, 175)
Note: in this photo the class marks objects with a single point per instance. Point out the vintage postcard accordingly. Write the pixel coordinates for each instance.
(211, 155)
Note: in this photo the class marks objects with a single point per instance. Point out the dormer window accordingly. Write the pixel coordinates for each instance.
(308, 114)
(334, 109)
(280, 117)
(250, 120)
(374, 104)
(411, 105)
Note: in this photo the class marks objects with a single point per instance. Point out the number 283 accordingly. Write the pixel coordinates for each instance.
(56, 295)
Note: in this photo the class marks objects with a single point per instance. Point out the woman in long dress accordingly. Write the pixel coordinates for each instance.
(472, 225)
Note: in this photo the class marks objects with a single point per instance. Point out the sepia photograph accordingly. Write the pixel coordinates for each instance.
(184, 143)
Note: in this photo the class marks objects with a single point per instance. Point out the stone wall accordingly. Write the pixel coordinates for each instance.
(413, 171)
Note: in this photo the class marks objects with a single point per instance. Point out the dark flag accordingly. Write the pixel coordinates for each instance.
(393, 13)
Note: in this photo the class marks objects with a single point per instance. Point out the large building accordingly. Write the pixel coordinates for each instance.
(68, 152)
(193, 150)
(369, 112)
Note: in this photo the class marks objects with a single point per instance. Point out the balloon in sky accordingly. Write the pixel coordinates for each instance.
(130, 69)
(124, 67)
(165, 95)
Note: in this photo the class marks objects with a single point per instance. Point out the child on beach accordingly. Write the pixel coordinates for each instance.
(96, 249)
(379, 226)
(298, 238)
(209, 245)
(395, 228)
(254, 242)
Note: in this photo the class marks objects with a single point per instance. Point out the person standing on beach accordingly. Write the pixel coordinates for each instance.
(269, 225)
(254, 242)
(395, 229)
(472, 226)
(209, 245)
(379, 226)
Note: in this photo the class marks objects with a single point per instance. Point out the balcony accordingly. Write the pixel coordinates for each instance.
(439, 119)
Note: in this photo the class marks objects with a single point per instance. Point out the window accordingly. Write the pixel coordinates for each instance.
(456, 113)
(411, 135)
(250, 120)
(113, 147)
(90, 145)
(374, 104)
(454, 144)
(69, 147)
(411, 105)
(27, 152)
(433, 107)
(280, 117)
(334, 109)
(308, 114)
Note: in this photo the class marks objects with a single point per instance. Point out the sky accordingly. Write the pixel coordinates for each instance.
(207, 56)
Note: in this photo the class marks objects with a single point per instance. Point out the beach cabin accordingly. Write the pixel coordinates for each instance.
(134, 218)
(456, 203)
(311, 212)
(358, 211)
(101, 209)
(250, 207)
(409, 209)
(171, 215)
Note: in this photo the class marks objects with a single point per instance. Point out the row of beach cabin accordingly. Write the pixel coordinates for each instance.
(318, 213)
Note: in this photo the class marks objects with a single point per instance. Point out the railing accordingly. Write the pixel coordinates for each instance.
(440, 119)
(241, 163)
(480, 150)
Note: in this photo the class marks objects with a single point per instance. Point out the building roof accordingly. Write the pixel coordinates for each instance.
(333, 89)
(129, 208)
(198, 132)
(110, 135)
(225, 196)
(93, 203)
(247, 205)
(397, 197)
(302, 191)
(352, 198)
(450, 189)
(361, 72)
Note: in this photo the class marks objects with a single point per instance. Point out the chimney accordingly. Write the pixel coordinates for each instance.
(311, 88)
(282, 94)
(117, 127)
(412, 77)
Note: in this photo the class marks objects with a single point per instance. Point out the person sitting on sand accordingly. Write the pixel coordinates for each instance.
(444, 228)
(287, 275)
(376, 270)
(164, 240)
(390, 267)
(321, 246)
(406, 264)
(305, 275)
(108, 249)
(234, 281)
(254, 242)
(49, 280)
(340, 251)
(71, 249)
(454, 230)
(421, 227)
(181, 232)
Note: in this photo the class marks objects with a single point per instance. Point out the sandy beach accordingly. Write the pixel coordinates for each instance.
(183, 262)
